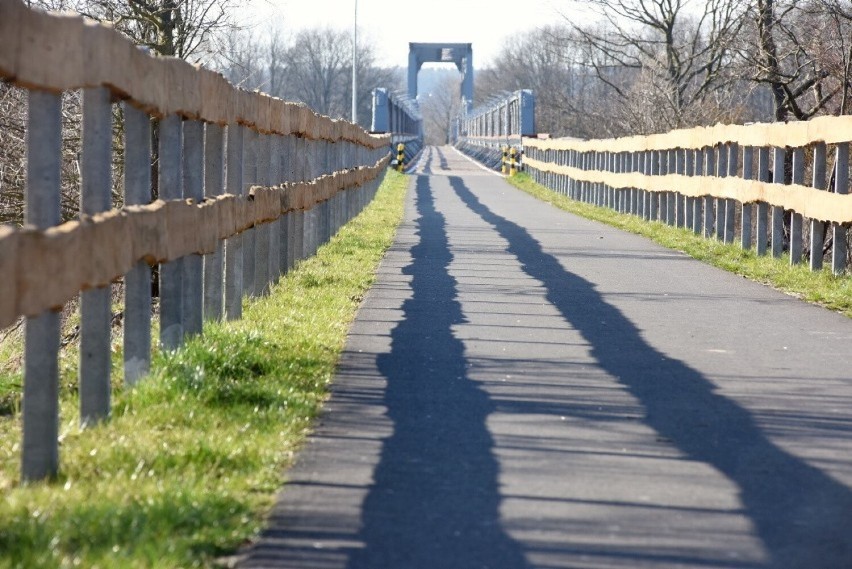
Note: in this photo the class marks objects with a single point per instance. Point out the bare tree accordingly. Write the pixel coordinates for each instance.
(439, 107)
(240, 59)
(181, 28)
(682, 47)
(319, 67)
(570, 98)
(314, 66)
(774, 53)
(13, 117)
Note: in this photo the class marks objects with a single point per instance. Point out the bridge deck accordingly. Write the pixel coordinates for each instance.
(524, 388)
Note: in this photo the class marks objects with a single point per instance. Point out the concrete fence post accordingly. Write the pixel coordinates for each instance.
(654, 197)
(688, 202)
(137, 282)
(571, 160)
(214, 185)
(663, 197)
(250, 143)
(600, 188)
(234, 245)
(729, 204)
(721, 172)
(635, 193)
(316, 212)
(838, 231)
(679, 168)
(308, 168)
(611, 190)
(193, 188)
(171, 273)
(671, 197)
(796, 220)
(262, 231)
(698, 203)
(95, 304)
(276, 237)
(301, 172)
(817, 239)
(709, 202)
(307, 215)
(761, 229)
(647, 201)
(747, 208)
(573, 185)
(40, 404)
(778, 155)
(289, 220)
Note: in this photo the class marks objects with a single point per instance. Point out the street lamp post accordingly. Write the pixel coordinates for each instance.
(355, 66)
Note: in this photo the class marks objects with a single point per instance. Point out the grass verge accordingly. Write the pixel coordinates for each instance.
(191, 459)
(820, 287)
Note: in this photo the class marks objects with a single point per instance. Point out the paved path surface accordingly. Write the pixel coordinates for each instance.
(523, 388)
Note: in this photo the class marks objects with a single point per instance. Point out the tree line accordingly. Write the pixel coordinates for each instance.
(621, 67)
(311, 66)
(607, 68)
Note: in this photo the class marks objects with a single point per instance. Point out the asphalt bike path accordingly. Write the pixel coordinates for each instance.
(526, 388)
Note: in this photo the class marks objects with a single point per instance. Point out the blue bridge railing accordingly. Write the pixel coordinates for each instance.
(500, 123)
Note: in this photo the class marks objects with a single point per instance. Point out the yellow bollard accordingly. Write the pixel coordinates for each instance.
(504, 168)
(513, 161)
(400, 157)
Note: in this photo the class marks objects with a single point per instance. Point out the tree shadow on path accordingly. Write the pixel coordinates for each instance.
(800, 514)
(435, 498)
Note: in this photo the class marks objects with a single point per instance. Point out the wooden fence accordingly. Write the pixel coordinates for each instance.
(727, 182)
(248, 184)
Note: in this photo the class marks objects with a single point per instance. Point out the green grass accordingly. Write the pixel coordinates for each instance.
(820, 287)
(189, 463)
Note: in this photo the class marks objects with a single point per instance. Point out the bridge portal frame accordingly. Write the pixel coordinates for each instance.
(459, 53)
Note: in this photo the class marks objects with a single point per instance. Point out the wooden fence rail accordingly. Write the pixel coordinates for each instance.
(722, 182)
(248, 185)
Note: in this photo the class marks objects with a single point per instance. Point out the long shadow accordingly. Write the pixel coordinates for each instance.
(427, 166)
(435, 498)
(801, 514)
(445, 165)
